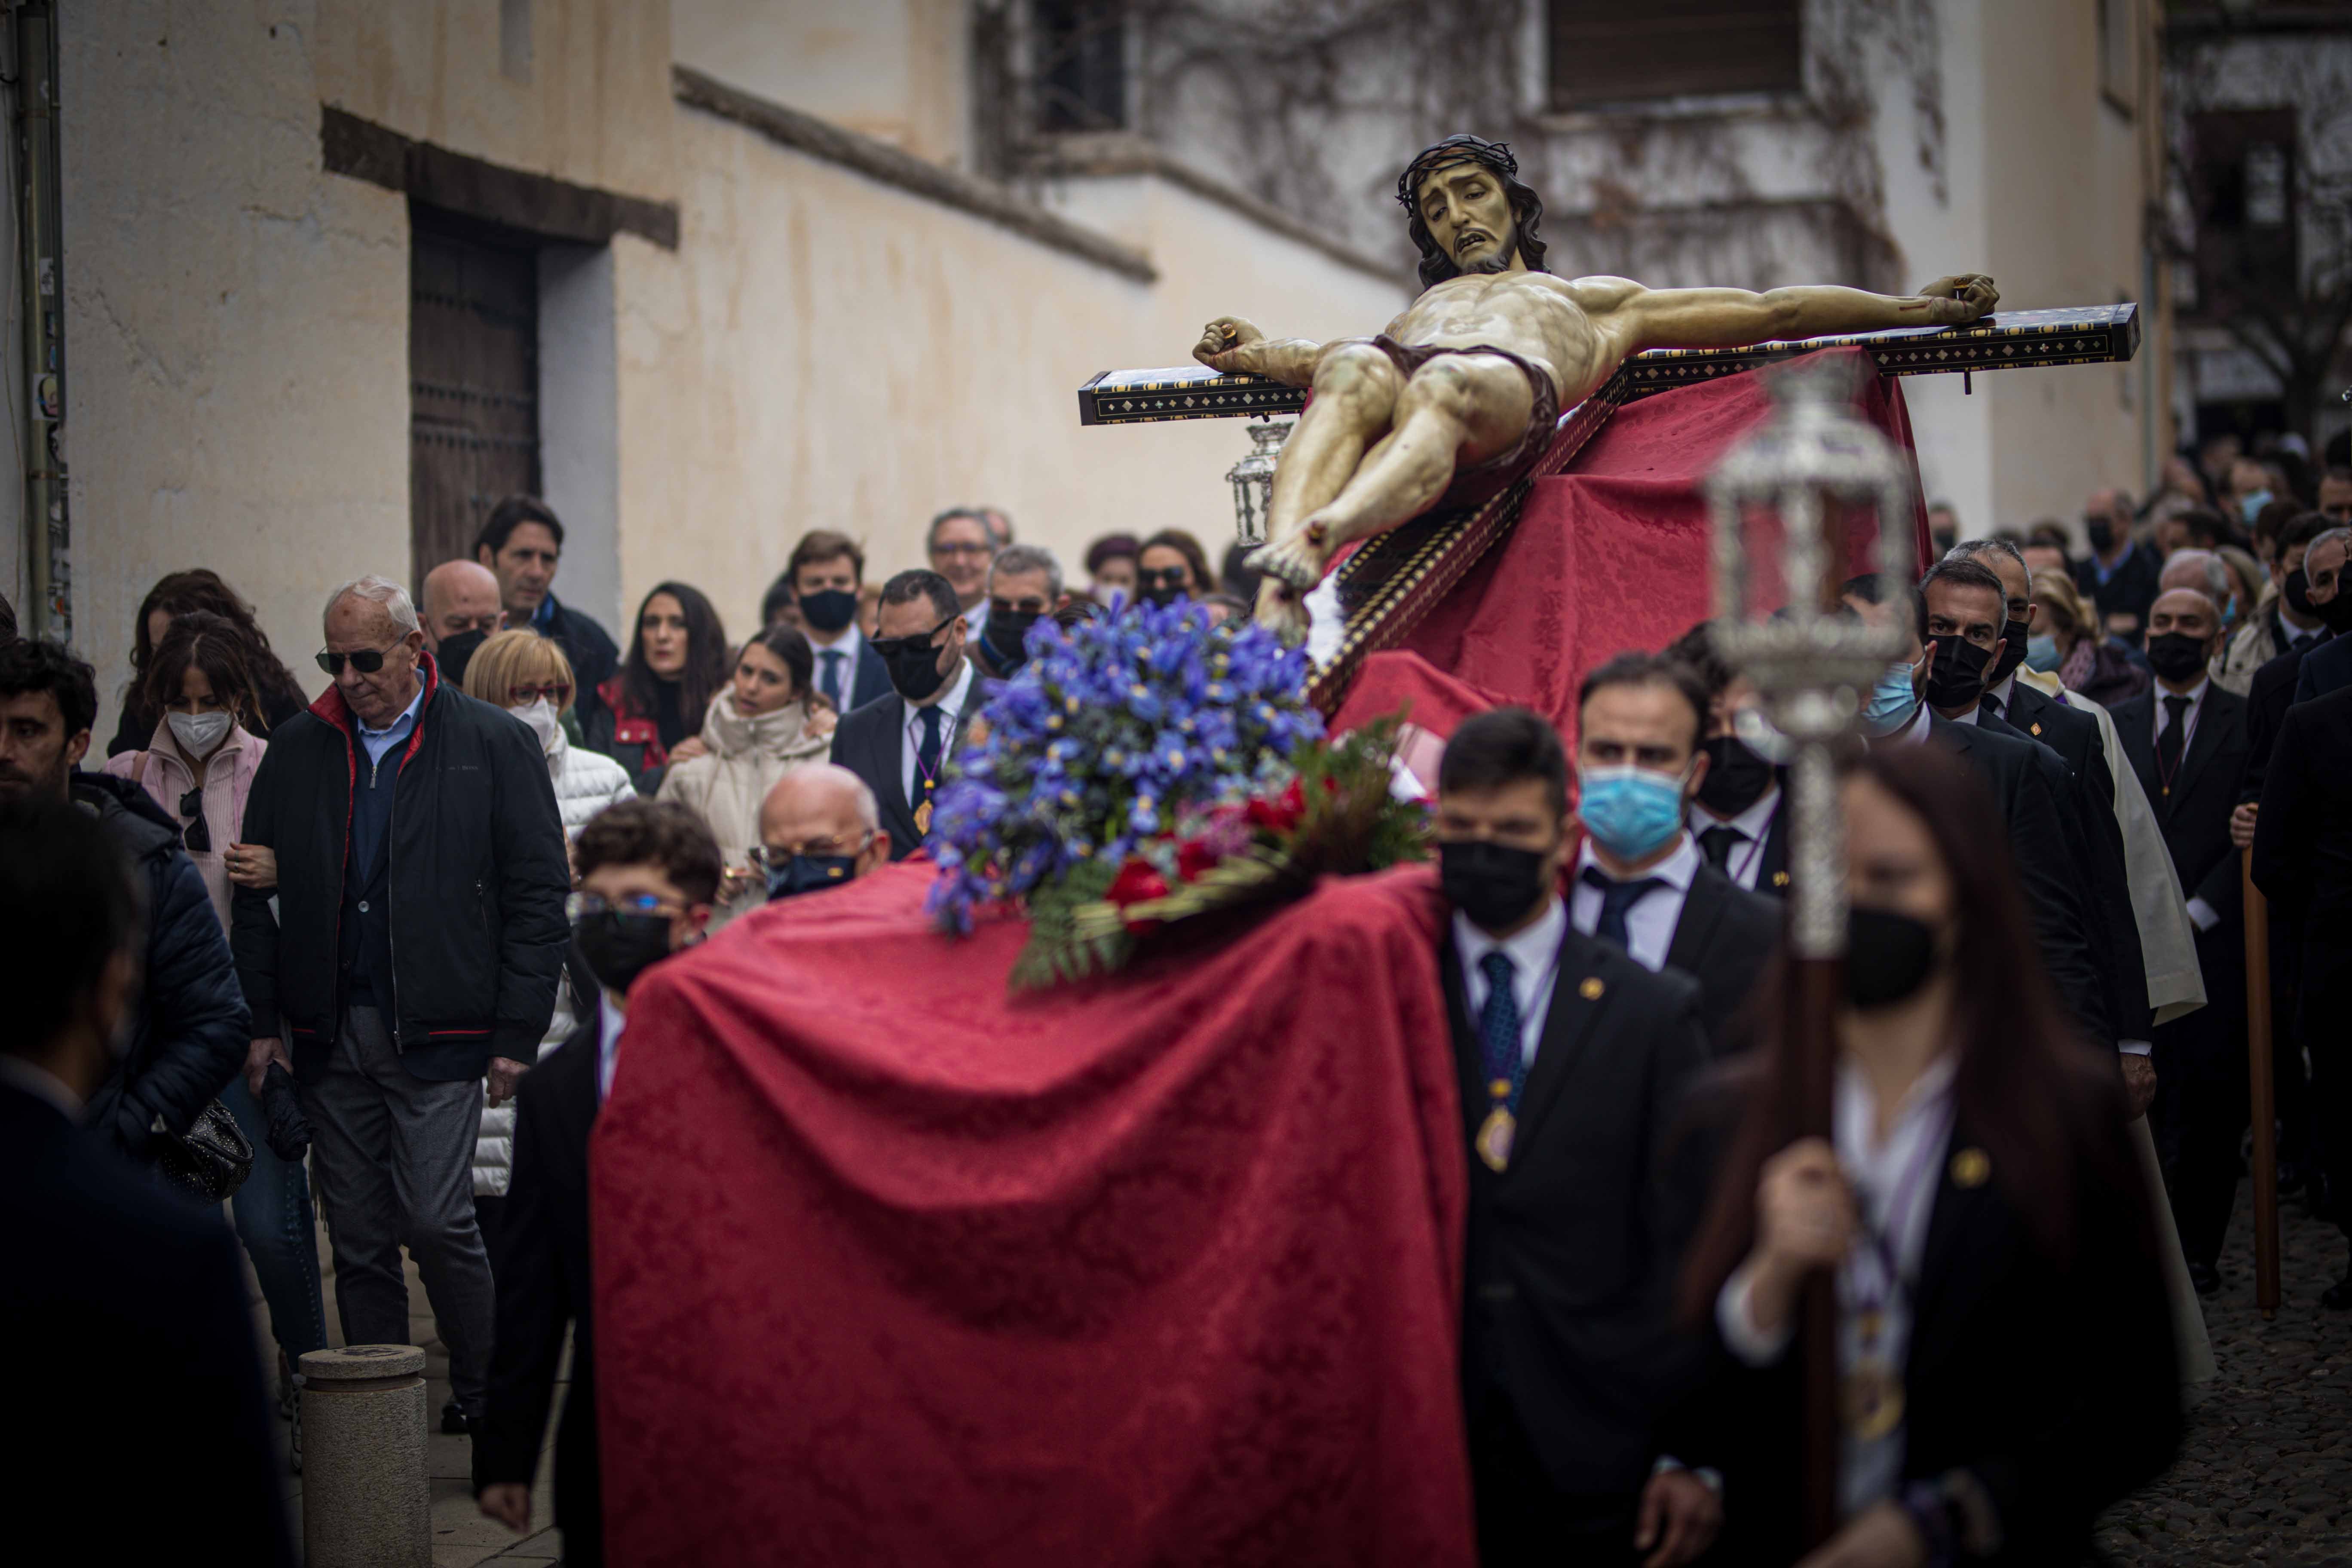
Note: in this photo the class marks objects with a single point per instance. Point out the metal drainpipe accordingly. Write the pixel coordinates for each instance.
(41, 279)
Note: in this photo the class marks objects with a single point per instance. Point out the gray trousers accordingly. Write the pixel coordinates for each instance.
(393, 1158)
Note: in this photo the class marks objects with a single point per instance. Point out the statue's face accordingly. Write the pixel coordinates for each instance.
(1470, 217)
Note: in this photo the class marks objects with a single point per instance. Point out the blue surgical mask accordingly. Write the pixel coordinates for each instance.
(1630, 812)
(2041, 652)
(1892, 701)
(2251, 503)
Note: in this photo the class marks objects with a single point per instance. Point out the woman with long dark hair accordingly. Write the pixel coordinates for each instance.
(181, 594)
(2005, 1354)
(652, 712)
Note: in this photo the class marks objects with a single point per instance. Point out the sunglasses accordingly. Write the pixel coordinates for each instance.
(891, 648)
(556, 692)
(198, 835)
(367, 660)
(581, 906)
(1173, 578)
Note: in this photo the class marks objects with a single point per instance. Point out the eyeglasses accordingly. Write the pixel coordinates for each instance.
(770, 860)
(367, 660)
(580, 906)
(891, 648)
(963, 550)
(198, 834)
(556, 692)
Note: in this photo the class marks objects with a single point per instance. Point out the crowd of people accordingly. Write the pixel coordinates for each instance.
(388, 936)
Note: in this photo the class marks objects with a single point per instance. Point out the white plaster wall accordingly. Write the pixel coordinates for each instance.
(824, 351)
(237, 325)
(896, 71)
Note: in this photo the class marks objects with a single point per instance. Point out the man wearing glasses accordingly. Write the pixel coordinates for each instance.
(961, 545)
(819, 827)
(898, 745)
(419, 933)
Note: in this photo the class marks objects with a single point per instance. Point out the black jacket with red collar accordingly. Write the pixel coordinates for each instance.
(476, 878)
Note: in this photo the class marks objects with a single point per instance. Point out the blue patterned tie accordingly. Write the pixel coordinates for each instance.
(1616, 899)
(830, 682)
(1498, 1032)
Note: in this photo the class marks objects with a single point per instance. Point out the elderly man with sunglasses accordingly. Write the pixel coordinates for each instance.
(419, 936)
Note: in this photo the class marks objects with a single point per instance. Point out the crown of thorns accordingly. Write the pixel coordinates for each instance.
(1462, 148)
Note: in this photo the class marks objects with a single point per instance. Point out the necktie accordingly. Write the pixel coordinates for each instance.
(830, 681)
(1501, 1055)
(1616, 899)
(2169, 740)
(927, 754)
(1990, 704)
(1717, 842)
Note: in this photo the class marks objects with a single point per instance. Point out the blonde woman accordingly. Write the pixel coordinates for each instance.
(763, 723)
(2088, 663)
(529, 675)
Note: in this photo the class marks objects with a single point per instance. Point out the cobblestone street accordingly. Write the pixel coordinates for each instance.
(2265, 1471)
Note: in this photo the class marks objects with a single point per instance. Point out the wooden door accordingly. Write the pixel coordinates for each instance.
(473, 381)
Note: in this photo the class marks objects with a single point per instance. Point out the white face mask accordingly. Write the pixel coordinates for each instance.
(200, 733)
(544, 722)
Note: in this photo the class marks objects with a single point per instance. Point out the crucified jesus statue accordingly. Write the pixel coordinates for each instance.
(1457, 398)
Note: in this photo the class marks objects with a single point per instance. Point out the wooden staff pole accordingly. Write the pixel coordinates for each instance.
(1816, 978)
(2265, 1109)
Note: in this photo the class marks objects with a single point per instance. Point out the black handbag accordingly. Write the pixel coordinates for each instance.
(211, 1159)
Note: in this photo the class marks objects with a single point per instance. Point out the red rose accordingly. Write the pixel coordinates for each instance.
(1192, 857)
(1281, 813)
(1138, 883)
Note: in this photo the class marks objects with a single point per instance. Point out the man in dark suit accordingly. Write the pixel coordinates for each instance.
(1641, 883)
(1572, 1059)
(128, 1302)
(2327, 669)
(649, 872)
(522, 542)
(1025, 586)
(900, 743)
(1736, 814)
(2073, 739)
(821, 577)
(2186, 738)
(2303, 863)
(2120, 573)
(2030, 810)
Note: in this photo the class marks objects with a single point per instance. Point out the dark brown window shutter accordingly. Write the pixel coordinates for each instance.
(1617, 51)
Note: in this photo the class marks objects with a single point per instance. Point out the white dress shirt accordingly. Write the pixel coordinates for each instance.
(1533, 953)
(1650, 923)
(911, 740)
(612, 1020)
(379, 742)
(849, 643)
(1754, 826)
(1916, 1145)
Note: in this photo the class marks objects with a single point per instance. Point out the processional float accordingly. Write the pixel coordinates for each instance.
(1814, 469)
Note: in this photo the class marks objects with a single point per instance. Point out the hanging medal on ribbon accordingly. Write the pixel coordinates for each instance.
(1871, 1393)
(1506, 1067)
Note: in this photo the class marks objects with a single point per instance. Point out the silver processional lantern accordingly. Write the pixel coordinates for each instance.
(1253, 479)
(1813, 466)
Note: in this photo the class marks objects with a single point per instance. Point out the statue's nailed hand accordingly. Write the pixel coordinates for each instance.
(1221, 337)
(1961, 298)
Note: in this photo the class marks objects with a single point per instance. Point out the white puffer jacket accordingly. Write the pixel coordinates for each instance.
(585, 783)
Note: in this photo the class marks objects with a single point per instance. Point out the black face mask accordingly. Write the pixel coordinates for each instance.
(829, 609)
(1007, 634)
(811, 873)
(1493, 884)
(1957, 677)
(2338, 611)
(2014, 634)
(2175, 656)
(2100, 532)
(1736, 777)
(457, 652)
(1161, 595)
(1889, 956)
(620, 946)
(2297, 595)
(914, 665)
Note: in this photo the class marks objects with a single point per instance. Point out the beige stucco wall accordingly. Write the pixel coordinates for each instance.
(826, 351)
(896, 71)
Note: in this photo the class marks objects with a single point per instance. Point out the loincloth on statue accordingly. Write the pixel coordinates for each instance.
(1481, 482)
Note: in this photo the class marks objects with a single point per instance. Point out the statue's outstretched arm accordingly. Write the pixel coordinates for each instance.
(1233, 346)
(1640, 317)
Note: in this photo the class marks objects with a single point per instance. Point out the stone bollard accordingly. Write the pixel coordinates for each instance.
(365, 1496)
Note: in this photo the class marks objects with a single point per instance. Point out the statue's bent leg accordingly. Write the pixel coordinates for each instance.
(1457, 412)
(1356, 391)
